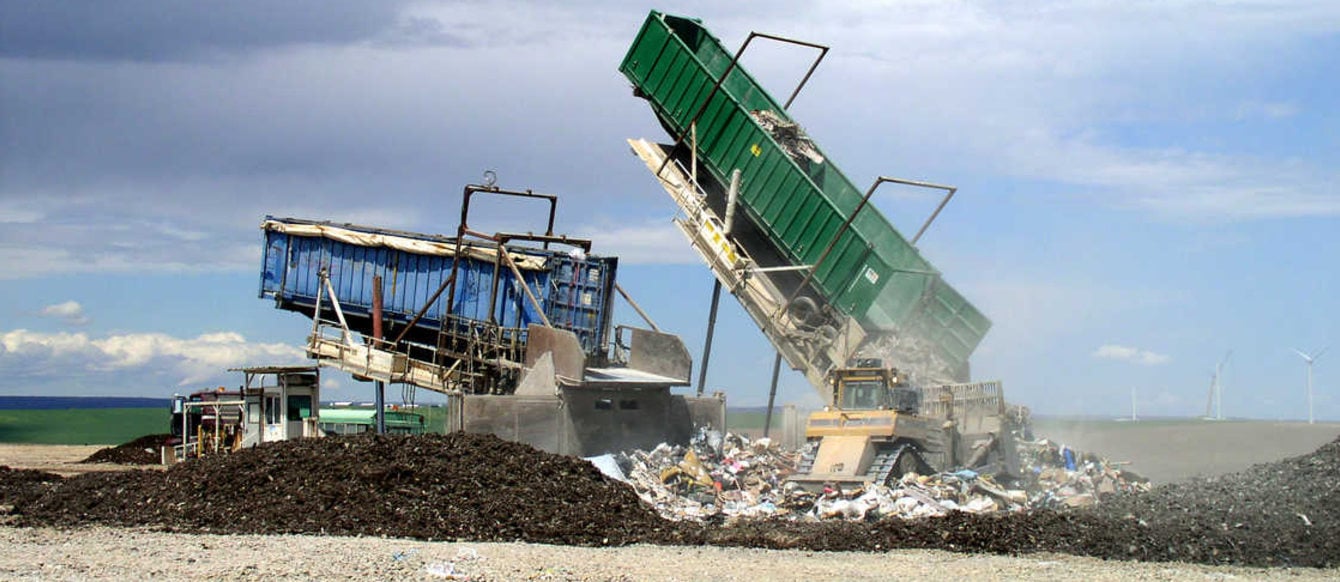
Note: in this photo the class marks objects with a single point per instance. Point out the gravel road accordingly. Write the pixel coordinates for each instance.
(128, 554)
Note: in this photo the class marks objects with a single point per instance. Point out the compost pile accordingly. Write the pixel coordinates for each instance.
(141, 451)
(1283, 513)
(18, 486)
(476, 487)
(457, 486)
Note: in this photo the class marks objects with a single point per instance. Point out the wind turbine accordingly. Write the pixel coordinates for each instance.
(1310, 359)
(1133, 415)
(1214, 405)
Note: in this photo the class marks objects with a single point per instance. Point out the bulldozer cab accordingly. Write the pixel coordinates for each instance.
(868, 385)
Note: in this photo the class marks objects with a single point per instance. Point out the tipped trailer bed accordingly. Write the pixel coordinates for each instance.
(799, 205)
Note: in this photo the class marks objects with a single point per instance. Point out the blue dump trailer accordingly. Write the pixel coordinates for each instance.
(516, 329)
(573, 290)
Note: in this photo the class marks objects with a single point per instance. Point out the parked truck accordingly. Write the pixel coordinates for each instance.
(842, 295)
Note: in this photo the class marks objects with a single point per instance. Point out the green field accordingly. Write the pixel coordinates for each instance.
(82, 426)
(113, 426)
(118, 425)
(751, 421)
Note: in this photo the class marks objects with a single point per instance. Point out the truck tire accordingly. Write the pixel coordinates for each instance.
(803, 310)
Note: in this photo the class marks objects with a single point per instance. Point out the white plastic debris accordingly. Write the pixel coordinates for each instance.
(445, 570)
(609, 466)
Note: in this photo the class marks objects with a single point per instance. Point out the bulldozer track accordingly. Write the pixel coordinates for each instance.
(894, 462)
(806, 465)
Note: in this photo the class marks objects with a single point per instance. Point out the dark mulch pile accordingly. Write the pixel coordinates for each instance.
(481, 488)
(18, 486)
(141, 451)
(1283, 513)
(457, 486)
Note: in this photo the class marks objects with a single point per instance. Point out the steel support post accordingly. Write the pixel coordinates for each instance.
(711, 328)
(381, 406)
(772, 394)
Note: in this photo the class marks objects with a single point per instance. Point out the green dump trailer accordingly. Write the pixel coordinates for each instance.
(798, 201)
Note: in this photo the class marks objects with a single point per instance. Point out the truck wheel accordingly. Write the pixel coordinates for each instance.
(803, 310)
(907, 461)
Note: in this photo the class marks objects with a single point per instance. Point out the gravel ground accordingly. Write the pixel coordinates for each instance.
(127, 554)
(59, 459)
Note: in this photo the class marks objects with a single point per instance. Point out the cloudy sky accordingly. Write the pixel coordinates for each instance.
(1144, 186)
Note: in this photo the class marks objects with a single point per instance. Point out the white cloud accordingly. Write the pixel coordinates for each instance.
(52, 356)
(1130, 354)
(19, 261)
(70, 312)
(657, 242)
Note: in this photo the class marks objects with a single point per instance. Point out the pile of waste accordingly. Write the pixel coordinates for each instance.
(1059, 476)
(728, 477)
(1278, 514)
(916, 496)
(456, 486)
(714, 477)
(790, 136)
(145, 450)
(477, 487)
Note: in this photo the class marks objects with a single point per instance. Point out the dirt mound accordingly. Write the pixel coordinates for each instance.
(18, 485)
(457, 486)
(1283, 513)
(141, 451)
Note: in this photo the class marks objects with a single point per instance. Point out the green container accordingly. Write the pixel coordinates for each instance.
(873, 274)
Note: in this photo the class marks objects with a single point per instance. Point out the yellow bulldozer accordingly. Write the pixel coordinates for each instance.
(880, 427)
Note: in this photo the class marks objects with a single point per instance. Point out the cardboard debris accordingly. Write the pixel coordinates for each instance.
(727, 477)
(1056, 475)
